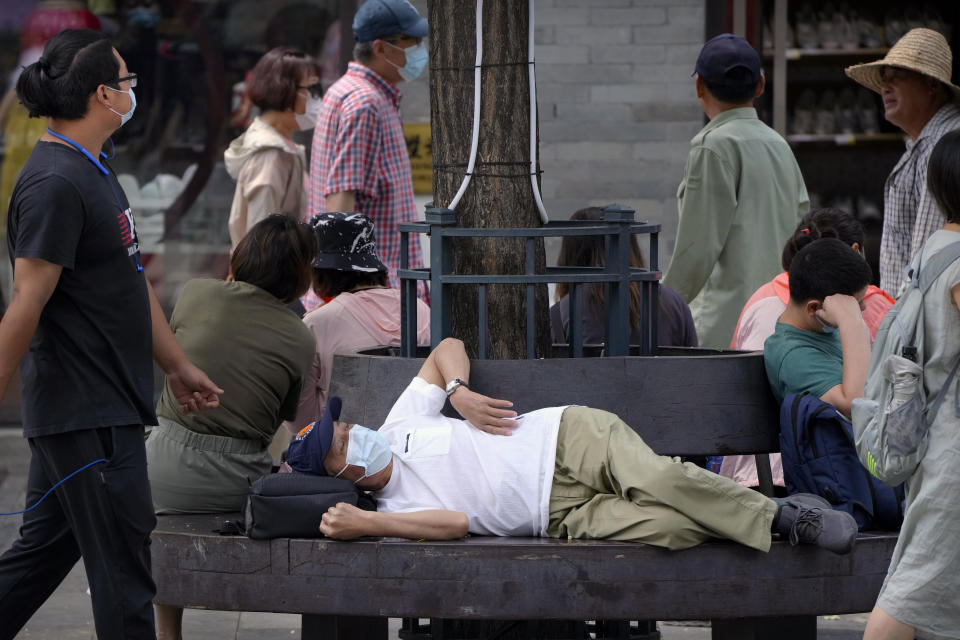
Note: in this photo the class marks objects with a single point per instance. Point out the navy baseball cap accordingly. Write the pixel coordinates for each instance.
(309, 447)
(378, 18)
(722, 56)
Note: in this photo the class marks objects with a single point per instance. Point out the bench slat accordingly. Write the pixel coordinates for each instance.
(518, 578)
(680, 405)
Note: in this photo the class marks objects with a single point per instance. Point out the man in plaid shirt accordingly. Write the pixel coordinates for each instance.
(914, 81)
(359, 158)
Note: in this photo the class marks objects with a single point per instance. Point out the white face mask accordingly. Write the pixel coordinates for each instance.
(368, 449)
(308, 119)
(125, 117)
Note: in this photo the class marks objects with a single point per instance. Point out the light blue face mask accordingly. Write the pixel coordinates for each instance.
(417, 57)
(368, 449)
(125, 117)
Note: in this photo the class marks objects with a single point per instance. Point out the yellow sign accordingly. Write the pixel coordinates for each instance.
(421, 156)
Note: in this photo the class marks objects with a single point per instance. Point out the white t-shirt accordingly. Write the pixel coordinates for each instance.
(502, 483)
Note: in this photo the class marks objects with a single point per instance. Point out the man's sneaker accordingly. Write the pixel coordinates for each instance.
(806, 518)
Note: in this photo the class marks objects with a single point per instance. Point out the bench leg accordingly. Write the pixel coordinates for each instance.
(317, 627)
(784, 628)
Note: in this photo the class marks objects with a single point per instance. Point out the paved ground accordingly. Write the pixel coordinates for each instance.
(66, 615)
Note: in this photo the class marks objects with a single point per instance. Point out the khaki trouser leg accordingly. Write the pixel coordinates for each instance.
(609, 484)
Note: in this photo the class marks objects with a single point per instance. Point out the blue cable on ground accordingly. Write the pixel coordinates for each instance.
(50, 490)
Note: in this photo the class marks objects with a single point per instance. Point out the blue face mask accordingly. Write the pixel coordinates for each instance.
(125, 117)
(368, 449)
(417, 57)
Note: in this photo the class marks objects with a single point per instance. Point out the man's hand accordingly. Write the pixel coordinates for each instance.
(487, 414)
(193, 390)
(345, 522)
(839, 309)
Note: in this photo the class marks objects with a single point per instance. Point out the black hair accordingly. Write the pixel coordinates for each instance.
(74, 63)
(742, 88)
(943, 175)
(826, 267)
(330, 283)
(827, 222)
(276, 255)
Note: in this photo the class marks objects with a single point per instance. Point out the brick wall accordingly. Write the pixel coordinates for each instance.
(616, 102)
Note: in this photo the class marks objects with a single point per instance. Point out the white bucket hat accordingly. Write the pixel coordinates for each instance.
(922, 50)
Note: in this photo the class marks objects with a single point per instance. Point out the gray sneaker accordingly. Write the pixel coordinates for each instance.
(809, 519)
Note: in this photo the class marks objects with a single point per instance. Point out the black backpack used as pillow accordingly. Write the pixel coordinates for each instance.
(291, 505)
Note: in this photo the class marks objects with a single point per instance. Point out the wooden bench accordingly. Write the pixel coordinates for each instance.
(687, 404)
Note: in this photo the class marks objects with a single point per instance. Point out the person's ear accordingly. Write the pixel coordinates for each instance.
(812, 306)
(700, 88)
(760, 86)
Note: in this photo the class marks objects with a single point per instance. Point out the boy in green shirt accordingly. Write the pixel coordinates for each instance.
(821, 345)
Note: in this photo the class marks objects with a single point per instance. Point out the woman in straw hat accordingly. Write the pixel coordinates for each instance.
(914, 81)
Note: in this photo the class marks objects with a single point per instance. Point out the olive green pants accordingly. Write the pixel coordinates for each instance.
(608, 484)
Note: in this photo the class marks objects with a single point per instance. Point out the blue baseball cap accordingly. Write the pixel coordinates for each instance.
(721, 58)
(309, 447)
(379, 18)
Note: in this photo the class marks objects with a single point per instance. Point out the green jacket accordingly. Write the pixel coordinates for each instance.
(740, 200)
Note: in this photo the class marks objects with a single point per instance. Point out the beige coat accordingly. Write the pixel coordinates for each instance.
(269, 171)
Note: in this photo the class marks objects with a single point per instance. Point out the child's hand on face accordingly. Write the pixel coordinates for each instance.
(839, 309)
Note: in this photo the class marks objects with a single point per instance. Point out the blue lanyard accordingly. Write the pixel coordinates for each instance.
(102, 169)
(86, 153)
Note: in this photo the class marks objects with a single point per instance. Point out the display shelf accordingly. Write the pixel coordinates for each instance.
(845, 139)
(825, 54)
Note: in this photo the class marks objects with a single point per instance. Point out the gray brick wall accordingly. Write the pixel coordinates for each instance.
(616, 102)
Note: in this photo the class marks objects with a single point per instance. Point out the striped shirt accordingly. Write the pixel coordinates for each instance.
(910, 214)
(358, 146)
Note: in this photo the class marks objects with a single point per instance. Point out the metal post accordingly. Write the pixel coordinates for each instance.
(408, 302)
(780, 66)
(441, 302)
(618, 262)
(531, 300)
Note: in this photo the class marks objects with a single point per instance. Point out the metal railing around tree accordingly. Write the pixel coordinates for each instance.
(617, 226)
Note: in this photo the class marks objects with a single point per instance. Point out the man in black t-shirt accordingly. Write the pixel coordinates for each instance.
(85, 323)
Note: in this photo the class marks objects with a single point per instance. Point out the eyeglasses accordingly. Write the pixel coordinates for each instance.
(315, 89)
(132, 79)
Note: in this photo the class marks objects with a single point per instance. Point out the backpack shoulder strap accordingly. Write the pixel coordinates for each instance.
(936, 264)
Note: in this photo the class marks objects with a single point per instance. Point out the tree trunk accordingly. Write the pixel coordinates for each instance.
(500, 193)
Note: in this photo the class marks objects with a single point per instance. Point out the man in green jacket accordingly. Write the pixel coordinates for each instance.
(741, 197)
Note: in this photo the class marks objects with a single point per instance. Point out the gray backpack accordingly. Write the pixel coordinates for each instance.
(892, 419)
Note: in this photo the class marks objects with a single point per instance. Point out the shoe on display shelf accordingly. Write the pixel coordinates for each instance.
(894, 28)
(827, 28)
(868, 117)
(846, 113)
(868, 211)
(803, 112)
(824, 121)
(806, 29)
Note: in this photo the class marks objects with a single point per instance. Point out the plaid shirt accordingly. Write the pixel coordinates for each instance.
(910, 214)
(358, 146)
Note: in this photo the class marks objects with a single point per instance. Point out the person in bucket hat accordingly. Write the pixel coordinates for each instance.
(360, 311)
(914, 81)
(561, 472)
(741, 196)
(359, 159)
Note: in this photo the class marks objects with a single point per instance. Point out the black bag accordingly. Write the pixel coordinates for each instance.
(291, 505)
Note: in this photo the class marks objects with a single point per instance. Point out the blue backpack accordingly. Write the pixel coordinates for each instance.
(819, 456)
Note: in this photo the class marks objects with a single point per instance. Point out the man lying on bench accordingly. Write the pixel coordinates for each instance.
(563, 472)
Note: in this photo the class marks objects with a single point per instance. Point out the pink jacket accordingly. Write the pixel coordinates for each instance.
(757, 323)
(349, 323)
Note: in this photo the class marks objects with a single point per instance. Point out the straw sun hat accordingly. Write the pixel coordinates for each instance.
(922, 50)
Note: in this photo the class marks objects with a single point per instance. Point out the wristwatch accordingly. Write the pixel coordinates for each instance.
(455, 384)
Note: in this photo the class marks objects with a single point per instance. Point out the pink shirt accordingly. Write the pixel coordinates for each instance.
(349, 323)
(757, 323)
